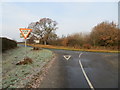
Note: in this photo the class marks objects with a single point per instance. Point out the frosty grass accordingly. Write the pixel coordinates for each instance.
(17, 76)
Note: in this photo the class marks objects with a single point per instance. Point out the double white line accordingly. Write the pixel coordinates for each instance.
(90, 84)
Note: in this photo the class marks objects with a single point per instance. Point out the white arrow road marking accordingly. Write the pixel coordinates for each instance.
(90, 84)
(67, 57)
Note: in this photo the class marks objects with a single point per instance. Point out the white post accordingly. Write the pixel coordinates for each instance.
(25, 48)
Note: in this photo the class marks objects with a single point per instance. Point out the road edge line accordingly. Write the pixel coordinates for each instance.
(80, 55)
(90, 84)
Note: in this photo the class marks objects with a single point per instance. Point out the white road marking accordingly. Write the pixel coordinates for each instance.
(80, 55)
(90, 84)
(67, 57)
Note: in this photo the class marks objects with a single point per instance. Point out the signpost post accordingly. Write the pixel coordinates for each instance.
(25, 48)
(25, 33)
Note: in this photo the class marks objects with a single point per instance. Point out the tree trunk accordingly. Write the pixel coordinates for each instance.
(44, 42)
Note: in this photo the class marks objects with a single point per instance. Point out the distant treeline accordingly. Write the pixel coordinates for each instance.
(7, 43)
(104, 35)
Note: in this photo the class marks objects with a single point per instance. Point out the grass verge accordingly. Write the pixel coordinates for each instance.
(17, 76)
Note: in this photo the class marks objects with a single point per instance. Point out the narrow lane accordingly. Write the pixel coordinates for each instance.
(65, 73)
(101, 69)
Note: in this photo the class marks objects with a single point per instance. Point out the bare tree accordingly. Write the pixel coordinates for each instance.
(43, 29)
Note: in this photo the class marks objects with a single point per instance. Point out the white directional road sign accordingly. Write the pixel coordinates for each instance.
(67, 57)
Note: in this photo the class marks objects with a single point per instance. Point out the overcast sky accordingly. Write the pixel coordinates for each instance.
(72, 17)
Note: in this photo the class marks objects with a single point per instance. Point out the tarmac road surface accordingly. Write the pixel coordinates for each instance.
(76, 69)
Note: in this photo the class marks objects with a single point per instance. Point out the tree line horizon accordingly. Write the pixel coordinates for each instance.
(104, 34)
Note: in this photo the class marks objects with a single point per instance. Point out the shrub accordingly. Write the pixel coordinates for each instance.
(87, 46)
(36, 48)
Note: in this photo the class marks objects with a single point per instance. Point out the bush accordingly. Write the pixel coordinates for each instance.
(8, 44)
(36, 48)
(87, 46)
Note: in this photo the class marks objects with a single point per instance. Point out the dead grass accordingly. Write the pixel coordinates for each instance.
(71, 48)
(26, 60)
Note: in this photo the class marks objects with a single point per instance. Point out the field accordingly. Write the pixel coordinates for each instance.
(17, 76)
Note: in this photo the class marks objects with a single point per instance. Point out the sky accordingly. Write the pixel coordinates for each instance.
(72, 17)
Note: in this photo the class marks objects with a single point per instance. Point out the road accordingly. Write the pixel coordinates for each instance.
(82, 70)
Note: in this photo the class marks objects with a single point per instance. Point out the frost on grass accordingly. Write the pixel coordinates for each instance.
(19, 75)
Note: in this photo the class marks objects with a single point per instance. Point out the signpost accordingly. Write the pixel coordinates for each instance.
(25, 33)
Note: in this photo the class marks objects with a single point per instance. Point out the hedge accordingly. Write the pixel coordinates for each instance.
(8, 44)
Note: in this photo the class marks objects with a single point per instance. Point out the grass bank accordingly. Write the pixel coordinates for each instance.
(17, 76)
(70, 48)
